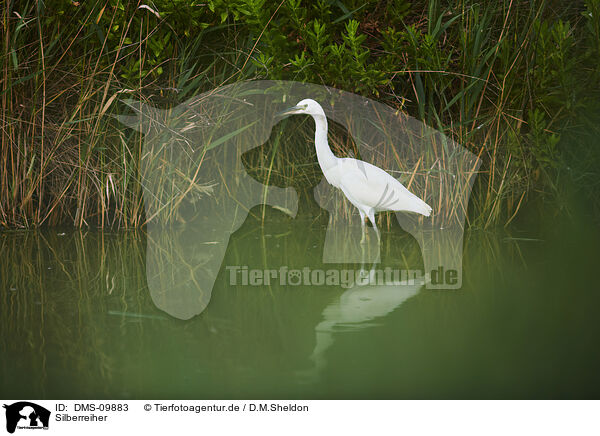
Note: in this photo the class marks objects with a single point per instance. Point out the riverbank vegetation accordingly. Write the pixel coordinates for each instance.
(516, 82)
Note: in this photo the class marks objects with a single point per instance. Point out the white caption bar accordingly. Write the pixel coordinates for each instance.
(265, 417)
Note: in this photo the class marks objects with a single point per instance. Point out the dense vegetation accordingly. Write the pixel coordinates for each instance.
(517, 82)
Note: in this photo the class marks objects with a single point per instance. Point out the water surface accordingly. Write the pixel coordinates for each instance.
(77, 319)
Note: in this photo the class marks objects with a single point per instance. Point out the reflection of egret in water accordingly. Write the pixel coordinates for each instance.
(354, 309)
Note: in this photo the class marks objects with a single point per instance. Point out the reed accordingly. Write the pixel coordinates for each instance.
(512, 81)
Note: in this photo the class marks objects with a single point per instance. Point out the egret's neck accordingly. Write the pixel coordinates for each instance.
(327, 159)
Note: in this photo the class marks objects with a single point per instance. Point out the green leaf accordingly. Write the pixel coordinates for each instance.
(227, 137)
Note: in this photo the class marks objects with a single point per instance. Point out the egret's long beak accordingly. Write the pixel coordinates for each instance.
(290, 111)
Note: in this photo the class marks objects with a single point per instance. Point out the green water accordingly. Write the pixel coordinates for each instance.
(77, 320)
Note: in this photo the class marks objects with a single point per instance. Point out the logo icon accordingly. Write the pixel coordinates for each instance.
(26, 415)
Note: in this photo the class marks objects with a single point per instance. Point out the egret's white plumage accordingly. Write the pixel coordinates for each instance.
(366, 186)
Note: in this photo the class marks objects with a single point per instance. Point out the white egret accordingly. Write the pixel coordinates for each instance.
(369, 188)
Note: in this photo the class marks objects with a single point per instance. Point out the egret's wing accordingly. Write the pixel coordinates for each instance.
(370, 186)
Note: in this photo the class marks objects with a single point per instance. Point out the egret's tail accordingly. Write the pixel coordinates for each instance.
(424, 209)
(412, 203)
(420, 207)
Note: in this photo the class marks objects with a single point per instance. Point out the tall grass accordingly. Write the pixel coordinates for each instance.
(506, 79)
(64, 159)
(59, 159)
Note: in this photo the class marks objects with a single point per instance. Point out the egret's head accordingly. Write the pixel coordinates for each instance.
(306, 107)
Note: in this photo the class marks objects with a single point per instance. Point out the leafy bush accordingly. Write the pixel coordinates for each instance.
(515, 82)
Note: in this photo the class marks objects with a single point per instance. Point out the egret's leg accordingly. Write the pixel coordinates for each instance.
(363, 240)
(371, 216)
(372, 219)
(362, 260)
(377, 232)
